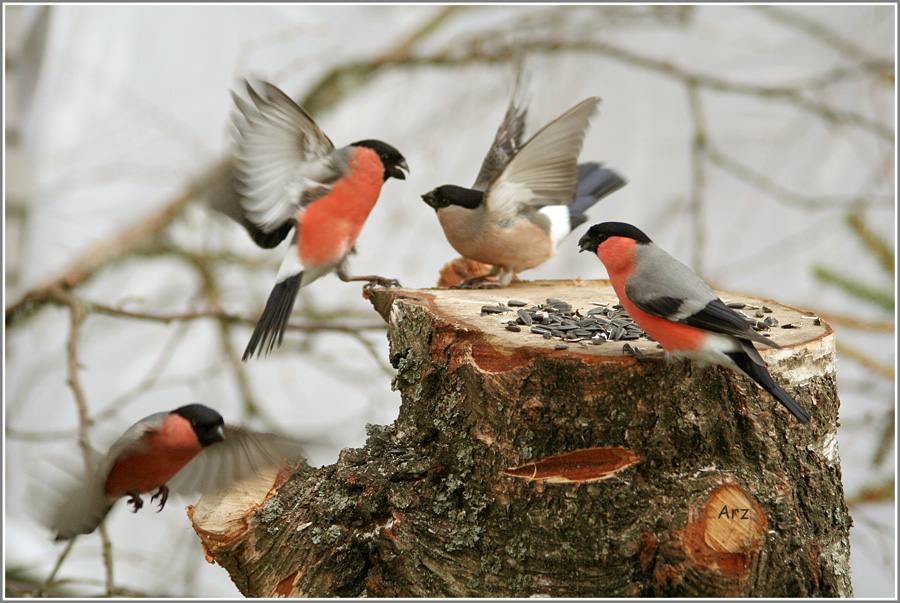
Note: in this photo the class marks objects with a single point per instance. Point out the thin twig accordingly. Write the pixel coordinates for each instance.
(62, 297)
(698, 177)
(107, 559)
(48, 583)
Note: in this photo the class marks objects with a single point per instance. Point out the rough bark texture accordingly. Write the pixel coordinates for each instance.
(515, 469)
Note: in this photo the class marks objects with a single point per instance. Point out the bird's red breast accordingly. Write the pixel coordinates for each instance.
(617, 254)
(162, 453)
(330, 226)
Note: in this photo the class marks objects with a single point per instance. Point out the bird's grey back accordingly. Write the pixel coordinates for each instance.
(662, 275)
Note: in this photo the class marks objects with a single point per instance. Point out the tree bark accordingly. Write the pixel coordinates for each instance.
(518, 469)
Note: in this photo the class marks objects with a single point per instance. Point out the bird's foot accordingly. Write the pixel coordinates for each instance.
(136, 501)
(477, 282)
(163, 495)
(377, 281)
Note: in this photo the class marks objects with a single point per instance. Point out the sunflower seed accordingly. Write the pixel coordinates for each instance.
(771, 321)
(525, 316)
(493, 310)
(514, 303)
(736, 305)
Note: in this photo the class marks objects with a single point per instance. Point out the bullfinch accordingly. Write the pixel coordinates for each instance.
(673, 305)
(527, 197)
(187, 450)
(289, 178)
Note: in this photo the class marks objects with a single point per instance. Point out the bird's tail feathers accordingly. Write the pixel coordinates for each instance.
(761, 375)
(594, 183)
(270, 328)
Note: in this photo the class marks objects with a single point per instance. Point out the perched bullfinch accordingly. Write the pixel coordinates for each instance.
(290, 177)
(187, 450)
(527, 197)
(673, 305)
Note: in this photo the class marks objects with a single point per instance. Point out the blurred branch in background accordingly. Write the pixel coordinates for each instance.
(882, 296)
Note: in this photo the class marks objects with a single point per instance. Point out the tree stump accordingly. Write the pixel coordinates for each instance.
(518, 469)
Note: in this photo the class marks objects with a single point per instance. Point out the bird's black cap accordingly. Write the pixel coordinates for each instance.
(391, 158)
(206, 423)
(598, 233)
(450, 194)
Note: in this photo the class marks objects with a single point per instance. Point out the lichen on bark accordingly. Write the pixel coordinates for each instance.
(429, 507)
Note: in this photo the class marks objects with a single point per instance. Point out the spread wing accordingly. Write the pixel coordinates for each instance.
(281, 156)
(72, 500)
(509, 135)
(545, 170)
(242, 454)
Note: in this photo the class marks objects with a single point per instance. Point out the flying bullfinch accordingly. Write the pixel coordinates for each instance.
(290, 177)
(673, 305)
(527, 197)
(187, 450)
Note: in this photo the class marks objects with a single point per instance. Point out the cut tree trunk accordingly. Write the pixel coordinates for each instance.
(518, 469)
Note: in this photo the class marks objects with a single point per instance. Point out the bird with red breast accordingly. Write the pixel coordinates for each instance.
(187, 450)
(291, 178)
(674, 306)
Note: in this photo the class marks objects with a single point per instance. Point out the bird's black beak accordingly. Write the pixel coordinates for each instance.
(587, 243)
(395, 171)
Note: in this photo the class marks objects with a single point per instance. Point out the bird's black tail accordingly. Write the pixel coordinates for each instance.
(270, 327)
(759, 374)
(594, 183)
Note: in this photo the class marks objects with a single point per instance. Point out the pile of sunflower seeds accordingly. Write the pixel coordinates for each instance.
(555, 319)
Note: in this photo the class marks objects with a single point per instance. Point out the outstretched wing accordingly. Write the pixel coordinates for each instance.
(281, 156)
(545, 170)
(240, 455)
(508, 140)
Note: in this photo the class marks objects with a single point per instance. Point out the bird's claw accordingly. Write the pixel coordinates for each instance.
(380, 281)
(136, 501)
(163, 495)
(477, 282)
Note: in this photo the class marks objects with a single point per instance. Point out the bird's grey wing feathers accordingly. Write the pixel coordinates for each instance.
(509, 135)
(242, 454)
(79, 503)
(278, 152)
(719, 318)
(667, 288)
(132, 440)
(545, 170)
